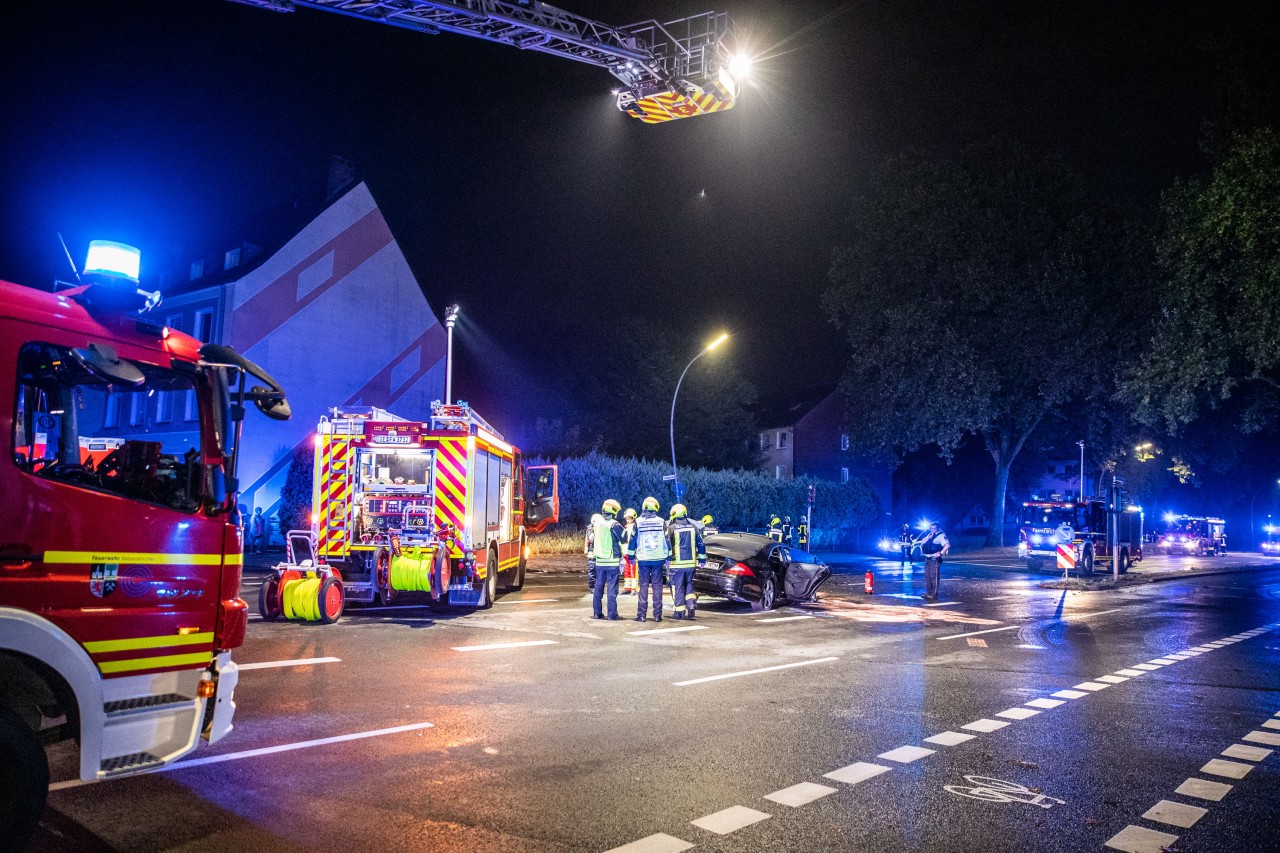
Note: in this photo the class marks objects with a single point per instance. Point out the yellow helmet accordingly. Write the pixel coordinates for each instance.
(611, 507)
(651, 503)
(628, 513)
(775, 520)
(678, 511)
(707, 519)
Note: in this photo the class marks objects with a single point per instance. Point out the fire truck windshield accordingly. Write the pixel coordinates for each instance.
(142, 442)
(1051, 516)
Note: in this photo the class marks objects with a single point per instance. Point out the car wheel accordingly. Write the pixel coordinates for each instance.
(768, 596)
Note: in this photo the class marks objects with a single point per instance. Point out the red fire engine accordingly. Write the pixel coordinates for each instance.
(1074, 534)
(440, 507)
(120, 558)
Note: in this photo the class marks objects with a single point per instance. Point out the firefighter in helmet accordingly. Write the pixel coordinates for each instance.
(628, 564)
(906, 543)
(687, 552)
(648, 547)
(786, 529)
(709, 525)
(775, 529)
(802, 533)
(604, 554)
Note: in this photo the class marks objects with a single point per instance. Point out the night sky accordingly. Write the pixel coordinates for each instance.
(518, 190)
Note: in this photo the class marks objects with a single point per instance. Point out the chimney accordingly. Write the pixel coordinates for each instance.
(342, 174)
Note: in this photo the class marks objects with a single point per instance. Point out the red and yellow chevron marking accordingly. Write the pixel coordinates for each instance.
(334, 494)
(451, 482)
(673, 105)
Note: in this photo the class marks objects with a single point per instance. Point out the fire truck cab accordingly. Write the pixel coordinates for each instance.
(1075, 533)
(1193, 536)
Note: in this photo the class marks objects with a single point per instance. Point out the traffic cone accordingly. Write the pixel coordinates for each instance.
(869, 583)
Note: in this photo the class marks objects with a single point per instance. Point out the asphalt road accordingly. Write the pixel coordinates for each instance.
(1006, 717)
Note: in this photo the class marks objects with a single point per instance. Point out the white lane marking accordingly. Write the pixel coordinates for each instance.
(1230, 769)
(1248, 753)
(976, 633)
(1137, 839)
(1203, 789)
(1046, 704)
(271, 664)
(949, 738)
(1271, 724)
(941, 603)
(1112, 679)
(1032, 646)
(504, 646)
(906, 754)
(730, 820)
(528, 601)
(1189, 653)
(751, 671)
(1175, 814)
(653, 631)
(857, 772)
(390, 607)
(1017, 713)
(1096, 613)
(1268, 738)
(1146, 667)
(1091, 686)
(997, 597)
(984, 725)
(1162, 661)
(801, 794)
(266, 750)
(785, 618)
(1070, 694)
(659, 843)
(1130, 673)
(901, 595)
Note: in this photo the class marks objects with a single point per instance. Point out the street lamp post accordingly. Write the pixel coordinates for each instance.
(1081, 443)
(675, 472)
(1253, 538)
(450, 317)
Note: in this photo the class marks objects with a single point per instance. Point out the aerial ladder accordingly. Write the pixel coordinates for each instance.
(679, 69)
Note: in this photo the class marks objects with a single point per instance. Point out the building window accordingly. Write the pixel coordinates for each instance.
(174, 322)
(782, 439)
(204, 324)
(777, 472)
(764, 441)
(164, 406)
(232, 260)
(111, 417)
(844, 441)
(844, 475)
(197, 270)
(137, 408)
(190, 408)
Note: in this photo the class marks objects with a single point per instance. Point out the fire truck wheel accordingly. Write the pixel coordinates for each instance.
(269, 599)
(1086, 564)
(517, 581)
(24, 784)
(383, 576)
(490, 590)
(331, 599)
(1124, 562)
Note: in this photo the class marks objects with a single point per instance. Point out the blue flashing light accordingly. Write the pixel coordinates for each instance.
(1170, 517)
(116, 260)
(923, 524)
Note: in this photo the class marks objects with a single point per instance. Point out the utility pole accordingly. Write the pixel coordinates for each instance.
(1081, 443)
(450, 317)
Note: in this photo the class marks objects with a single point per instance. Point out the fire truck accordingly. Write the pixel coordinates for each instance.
(1193, 535)
(120, 555)
(440, 507)
(1076, 534)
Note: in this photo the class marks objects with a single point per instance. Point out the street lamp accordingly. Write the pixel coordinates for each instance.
(450, 317)
(1253, 539)
(675, 472)
(1081, 443)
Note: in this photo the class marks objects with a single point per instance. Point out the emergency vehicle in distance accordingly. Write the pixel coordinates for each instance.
(1082, 527)
(440, 507)
(1193, 535)
(120, 556)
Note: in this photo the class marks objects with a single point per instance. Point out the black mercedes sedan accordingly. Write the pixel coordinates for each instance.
(755, 569)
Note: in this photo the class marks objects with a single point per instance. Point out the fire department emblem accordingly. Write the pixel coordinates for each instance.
(102, 578)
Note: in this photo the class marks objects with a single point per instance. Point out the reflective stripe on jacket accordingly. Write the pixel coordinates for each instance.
(687, 549)
(606, 542)
(649, 543)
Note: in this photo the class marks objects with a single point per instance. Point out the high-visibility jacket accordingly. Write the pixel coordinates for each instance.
(604, 542)
(685, 540)
(649, 543)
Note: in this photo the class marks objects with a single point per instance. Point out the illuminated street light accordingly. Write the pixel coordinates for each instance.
(708, 348)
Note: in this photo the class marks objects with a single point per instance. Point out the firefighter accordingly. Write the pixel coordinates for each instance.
(905, 544)
(802, 533)
(775, 529)
(648, 547)
(709, 526)
(786, 529)
(628, 564)
(684, 539)
(604, 554)
(586, 549)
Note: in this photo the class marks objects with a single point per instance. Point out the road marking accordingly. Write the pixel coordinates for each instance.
(949, 738)
(801, 794)
(1248, 753)
(1175, 814)
(984, 725)
(1112, 679)
(941, 603)
(730, 820)
(659, 843)
(1263, 737)
(1070, 694)
(992, 790)
(1163, 661)
(391, 607)
(1045, 703)
(997, 597)
(902, 595)
(976, 633)
(1203, 789)
(1271, 724)
(1032, 646)
(1130, 673)
(1137, 839)
(1091, 686)
(653, 631)
(1017, 713)
(785, 618)
(528, 601)
(860, 771)
(1230, 769)
(751, 671)
(1097, 613)
(271, 664)
(504, 646)
(906, 754)
(1189, 653)
(976, 643)
(1147, 667)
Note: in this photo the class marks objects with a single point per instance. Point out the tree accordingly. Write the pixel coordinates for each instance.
(973, 293)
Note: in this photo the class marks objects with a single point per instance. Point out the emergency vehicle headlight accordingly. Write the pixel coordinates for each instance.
(1190, 544)
(116, 260)
(886, 545)
(1036, 539)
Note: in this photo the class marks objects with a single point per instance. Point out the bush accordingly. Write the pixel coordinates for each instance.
(295, 497)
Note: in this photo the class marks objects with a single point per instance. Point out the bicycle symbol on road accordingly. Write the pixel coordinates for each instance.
(991, 790)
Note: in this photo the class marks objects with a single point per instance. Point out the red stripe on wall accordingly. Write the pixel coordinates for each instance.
(378, 391)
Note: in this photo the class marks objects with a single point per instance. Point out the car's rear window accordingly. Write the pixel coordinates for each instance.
(736, 547)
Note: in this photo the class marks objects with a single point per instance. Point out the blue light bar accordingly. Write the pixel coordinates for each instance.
(109, 258)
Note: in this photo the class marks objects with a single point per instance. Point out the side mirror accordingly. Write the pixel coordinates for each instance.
(101, 360)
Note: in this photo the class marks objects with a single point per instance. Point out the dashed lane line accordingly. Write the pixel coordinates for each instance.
(906, 754)
(1017, 713)
(1229, 769)
(730, 820)
(1070, 694)
(976, 633)
(1203, 789)
(949, 738)
(272, 664)
(1091, 686)
(658, 843)
(490, 646)
(800, 794)
(859, 771)
(1175, 814)
(653, 631)
(528, 601)
(984, 725)
(784, 618)
(723, 676)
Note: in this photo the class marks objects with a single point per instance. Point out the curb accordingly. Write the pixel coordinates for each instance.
(1106, 585)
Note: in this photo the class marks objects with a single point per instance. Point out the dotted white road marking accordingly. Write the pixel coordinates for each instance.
(1044, 703)
(784, 618)
(976, 633)
(1248, 753)
(941, 603)
(730, 820)
(1230, 769)
(1262, 737)
(801, 794)
(1017, 713)
(1112, 679)
(1180, 656)
(906, 754)
(1070, 694)
(1136, 839)
(1271, 724)
(489, 646)
(949, 738)
(1091, 686)
(1175, 814)
(659, 843)
(1203, 789)
(272, 664)
(528, 601)
(1146, 667)
(1163, 661)
(984, 725)
(857, 772)
(653, 631)
(751, 671)
(1130, 673)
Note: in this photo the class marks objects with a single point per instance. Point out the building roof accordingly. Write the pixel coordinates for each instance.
(787, 407)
